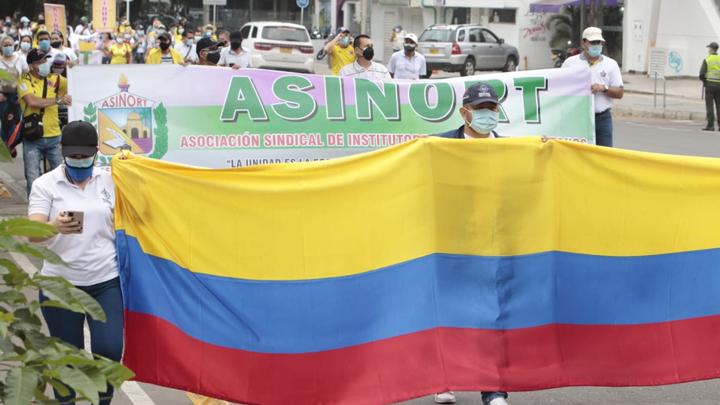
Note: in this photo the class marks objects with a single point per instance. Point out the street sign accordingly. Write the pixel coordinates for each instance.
(214, 2)
(303, 3)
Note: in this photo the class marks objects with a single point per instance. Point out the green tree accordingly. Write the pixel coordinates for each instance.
(565, 28)
(30, 360)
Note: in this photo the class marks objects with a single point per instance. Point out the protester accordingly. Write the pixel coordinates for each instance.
(13, 65)
(408, 63)
(209, 32)
(234, 55)
(165, 54)
(178, 33)
(155, 34)
(86, 246)
(58, 46)
(82, 28)
(397, 38)
(710, 76)
(186, 46)
(60, 65)
(105, 41)
(340, 52)
(364, 66)
(607, 82)
(480, 114)
(25, 27)
(38, 27)
(13, 33)
(40, 92)
(198, 34)
(43, 41)
(24, 46)
(73, 40)
(224, 38)
(208, 53)
(141, 45)
(119, 52)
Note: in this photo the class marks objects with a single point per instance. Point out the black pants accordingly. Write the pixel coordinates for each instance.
(712, 94)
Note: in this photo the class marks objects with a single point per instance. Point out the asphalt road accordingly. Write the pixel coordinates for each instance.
(649, 135)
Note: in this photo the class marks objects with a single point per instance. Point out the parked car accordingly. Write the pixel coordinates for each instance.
(466, 48)
(279, 46)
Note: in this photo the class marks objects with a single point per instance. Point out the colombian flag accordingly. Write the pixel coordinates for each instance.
(437, 264)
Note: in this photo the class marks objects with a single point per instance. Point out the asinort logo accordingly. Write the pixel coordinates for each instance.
(126, 120)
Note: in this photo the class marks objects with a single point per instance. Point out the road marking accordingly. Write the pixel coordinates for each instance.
(131, 389)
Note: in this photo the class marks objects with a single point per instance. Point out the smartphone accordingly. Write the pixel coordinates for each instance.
(77, 216)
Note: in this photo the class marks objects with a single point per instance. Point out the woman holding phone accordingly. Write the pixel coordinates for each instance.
(79, 201)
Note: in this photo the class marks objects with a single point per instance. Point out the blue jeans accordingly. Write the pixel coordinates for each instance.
(34, 154)
(106, 338)
(604, 129)
(489, 396)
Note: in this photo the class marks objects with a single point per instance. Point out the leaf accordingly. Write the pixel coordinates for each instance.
(78, 381)
(36, 340)
(26, 227)
(89, 304)
(61, 388)
(11, 244)
(116, 373)
(12, 296)
(97, 377)
(5, 153)
(8, 266)
(20, 386)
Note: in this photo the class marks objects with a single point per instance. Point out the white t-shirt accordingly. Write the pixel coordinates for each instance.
(228, 57)
(187, 51)
(18, 62)
(22, 56)
(91, 256)
(605, 71)
(81, 30)
(376, 71)
(407, 68)
(72, 56)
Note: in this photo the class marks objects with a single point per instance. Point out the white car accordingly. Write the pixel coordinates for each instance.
(279, 46)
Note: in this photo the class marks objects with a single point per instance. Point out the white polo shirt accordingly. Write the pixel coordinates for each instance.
(407, 68)
(91, 256)
(228, 57)
(376, 71)
(605, 71)
(187, 51)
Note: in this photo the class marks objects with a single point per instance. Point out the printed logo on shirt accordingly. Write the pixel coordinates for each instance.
(603, 74)
(106, 197)
(23, 87)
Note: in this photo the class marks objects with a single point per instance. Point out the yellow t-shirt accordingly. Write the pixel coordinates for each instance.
(118, 53)
(341, 57)
(28, 84)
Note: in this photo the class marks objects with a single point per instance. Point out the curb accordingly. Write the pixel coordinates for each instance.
(649, 112)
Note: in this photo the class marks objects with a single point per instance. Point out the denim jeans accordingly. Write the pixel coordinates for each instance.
(106, 338)
(489, 396)
(34, 154)
(604, 129)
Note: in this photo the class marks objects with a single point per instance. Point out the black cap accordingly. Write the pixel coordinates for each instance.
(479, 93)
(79, 138)
(713, 45)
(166, 36)
(35, 55)
(205, 43)
(236, 35)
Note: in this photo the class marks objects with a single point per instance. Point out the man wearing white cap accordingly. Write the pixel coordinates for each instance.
(607, 82)
(407, 64)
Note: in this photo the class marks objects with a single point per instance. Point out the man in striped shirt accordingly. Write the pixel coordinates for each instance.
(364, 66)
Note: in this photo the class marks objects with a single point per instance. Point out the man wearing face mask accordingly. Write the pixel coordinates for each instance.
(364, 66)
(607, 83)
(164, 53)
(480, 113)
(82, 28)
(43, 41)
(235, 56)
(208, 52)
(340, 51)
(41, 92)
(408, 64)
(186, 46)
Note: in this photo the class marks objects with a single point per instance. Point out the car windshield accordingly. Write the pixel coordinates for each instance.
(285, 34)
(440, 34)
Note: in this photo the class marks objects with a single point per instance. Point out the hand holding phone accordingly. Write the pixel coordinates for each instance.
(79, 217)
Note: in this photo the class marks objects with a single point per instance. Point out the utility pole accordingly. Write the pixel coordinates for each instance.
(364, 20)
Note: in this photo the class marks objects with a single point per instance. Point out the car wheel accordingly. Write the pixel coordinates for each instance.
(468, 68)
(510, 65)
(428, 74)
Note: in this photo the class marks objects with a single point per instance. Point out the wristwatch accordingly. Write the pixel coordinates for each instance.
(57, 101)
(607, 88)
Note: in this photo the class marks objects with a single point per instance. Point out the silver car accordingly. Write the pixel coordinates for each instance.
(466, 48)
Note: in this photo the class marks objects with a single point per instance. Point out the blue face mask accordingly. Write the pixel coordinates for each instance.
(484, 121)
(345, 41)
(8, 50)
(79, 169)
(594, 50)
(141, 32)
(160, 32)
(44, 69)
(25, 46)
(190, 41)
(44, 45)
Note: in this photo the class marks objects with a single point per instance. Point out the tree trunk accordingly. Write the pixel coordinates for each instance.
(597, 8)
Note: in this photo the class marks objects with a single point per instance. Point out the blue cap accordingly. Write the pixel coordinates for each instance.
(398, 26)
(479, 93)
(341, 30)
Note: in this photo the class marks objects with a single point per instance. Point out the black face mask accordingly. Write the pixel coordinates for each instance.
(235, 45)
(56, 44)
(41, 21)
(164, 45)
(409, 48)
(213, 57)
(368, 53)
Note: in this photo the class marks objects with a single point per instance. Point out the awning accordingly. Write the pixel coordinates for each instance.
(553, 6)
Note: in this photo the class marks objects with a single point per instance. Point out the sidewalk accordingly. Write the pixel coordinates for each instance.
(682, 98)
